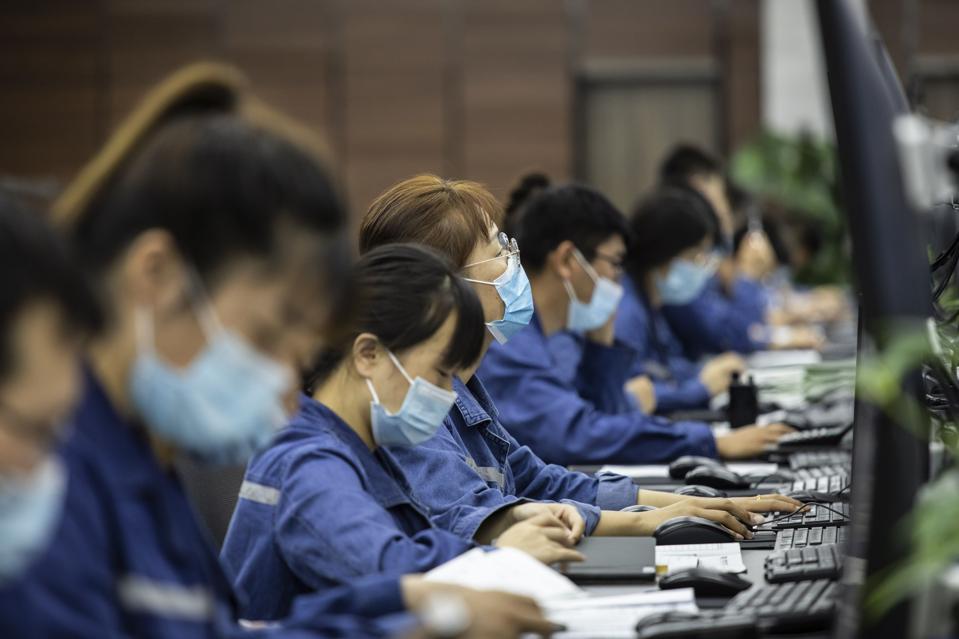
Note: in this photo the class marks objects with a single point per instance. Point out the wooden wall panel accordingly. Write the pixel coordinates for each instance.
(49, 73)
(741, 80)
(648, 28)
(148, 39)
(394, 81)
(288, 53)
(516, 91)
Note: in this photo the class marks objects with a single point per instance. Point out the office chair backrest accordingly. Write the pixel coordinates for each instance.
(213, 491)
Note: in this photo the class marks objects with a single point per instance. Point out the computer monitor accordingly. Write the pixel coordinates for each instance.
(892, 275)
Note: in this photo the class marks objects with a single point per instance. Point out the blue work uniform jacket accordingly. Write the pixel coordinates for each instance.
(660, 354)
(129, 558)
(715, 323)
(473, 466)
(317, 509)
(587, 420)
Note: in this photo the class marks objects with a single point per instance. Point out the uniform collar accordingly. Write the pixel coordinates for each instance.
(378, 466)
(115, 443)
(474, 403)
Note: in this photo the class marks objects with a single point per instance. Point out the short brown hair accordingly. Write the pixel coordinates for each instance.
(451, 216)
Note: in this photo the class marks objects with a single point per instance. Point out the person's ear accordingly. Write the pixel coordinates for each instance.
(561, 259)
(367, 354)
(152, 272)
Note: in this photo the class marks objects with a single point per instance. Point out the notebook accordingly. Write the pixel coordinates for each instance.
(611, 559)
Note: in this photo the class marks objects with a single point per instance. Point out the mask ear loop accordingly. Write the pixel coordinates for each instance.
(586, 266)
(396, 363)
(203, 305)
(143, 328)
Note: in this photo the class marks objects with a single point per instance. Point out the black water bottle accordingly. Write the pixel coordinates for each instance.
(743, 406)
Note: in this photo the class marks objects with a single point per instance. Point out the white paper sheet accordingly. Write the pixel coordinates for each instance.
(662, 472)
(615, 616)
(725, 557)
(772, 359)
(506, 569)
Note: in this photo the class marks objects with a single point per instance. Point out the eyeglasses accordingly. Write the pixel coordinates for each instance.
(613, 260)
(507, 244)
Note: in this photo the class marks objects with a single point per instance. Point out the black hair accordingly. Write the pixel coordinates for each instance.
(662, 226)
(558, 213)
(35, 265)
(529, 185)
(221, 185)
(686, 160)
(403, 294)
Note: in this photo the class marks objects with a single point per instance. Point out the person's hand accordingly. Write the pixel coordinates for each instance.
(768, 504)
(750, 441)
(755, 258)
(643, 391)
(489, 614)
(727, 512)
(565, 513)
(605, 334)
(799, 337)
(544, 537)
(717, 373)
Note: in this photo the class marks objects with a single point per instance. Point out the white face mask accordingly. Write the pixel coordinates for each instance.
(601, 306)
(223, 407)
(30, 509)
(421, 415)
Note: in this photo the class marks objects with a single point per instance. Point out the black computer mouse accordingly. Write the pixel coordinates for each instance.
(716, 477)
(684, 464)
(691, 530)
(706, 582)
(700, 491)
(658, 619)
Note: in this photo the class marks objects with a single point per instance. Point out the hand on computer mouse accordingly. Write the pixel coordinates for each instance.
(749, 441)
(725, 512)
(544, 537)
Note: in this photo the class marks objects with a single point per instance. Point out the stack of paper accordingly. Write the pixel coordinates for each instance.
(583, 616)
(725, 557)
(747, 469)
(506, 569)
(615, 616)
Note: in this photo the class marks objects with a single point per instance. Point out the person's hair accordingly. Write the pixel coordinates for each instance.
(558, 213)
(403, 295)
(529, 185)
(222, 186)
(35, 266)
(451, 216)
(685, 161)
(663, 225)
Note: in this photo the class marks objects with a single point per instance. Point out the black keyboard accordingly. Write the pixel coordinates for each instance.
(804, 537)
(804, 606)
(815, 472)
(824, 484)
(788, 607)
(813, 437)
(820, 458)
(834, 514)
(804, 564)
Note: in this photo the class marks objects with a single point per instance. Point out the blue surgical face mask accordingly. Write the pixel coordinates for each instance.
(30, 509)
(513, 288)
(223, 407)
(601, 306)
(421, 415)
(684, 282)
